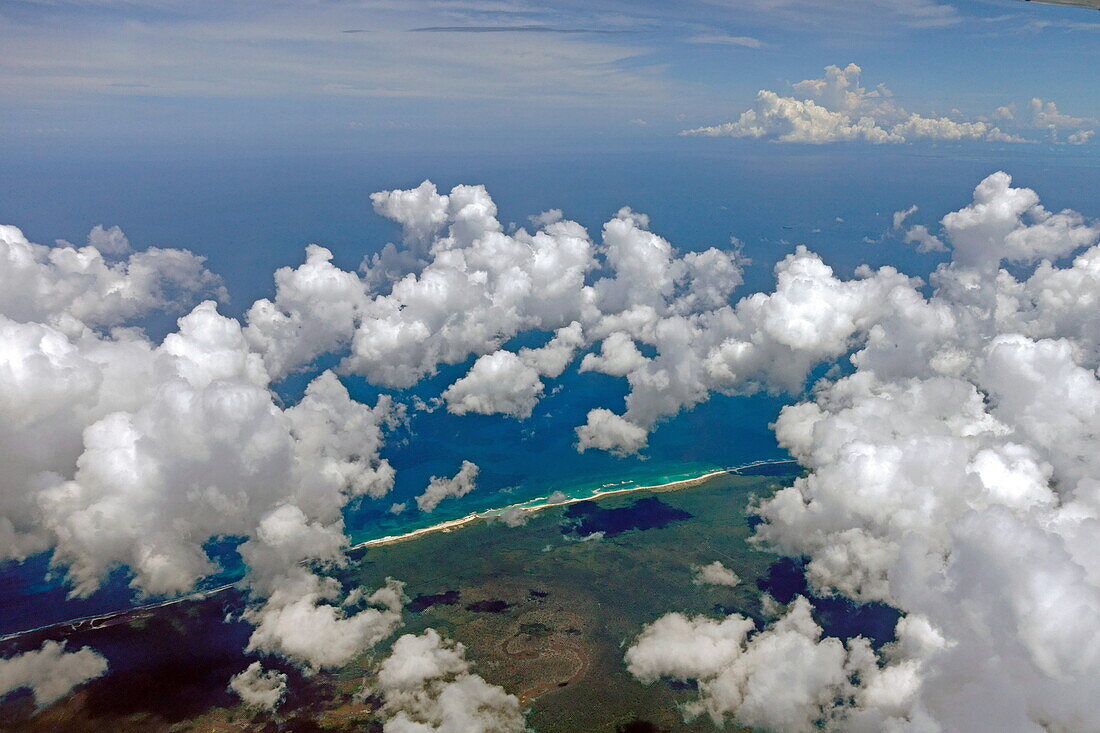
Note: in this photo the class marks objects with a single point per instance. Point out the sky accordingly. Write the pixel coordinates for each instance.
(277, 276)
(204, 78)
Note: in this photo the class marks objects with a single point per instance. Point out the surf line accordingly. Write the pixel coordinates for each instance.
(97, 621)
(530, 507)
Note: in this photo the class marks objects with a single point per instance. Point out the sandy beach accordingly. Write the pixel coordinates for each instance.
(536, 505)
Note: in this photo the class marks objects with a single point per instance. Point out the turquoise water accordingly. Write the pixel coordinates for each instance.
(521, 462)
(580, 490)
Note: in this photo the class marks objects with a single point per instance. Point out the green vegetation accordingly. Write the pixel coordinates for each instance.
(575, 605)
(544, 614)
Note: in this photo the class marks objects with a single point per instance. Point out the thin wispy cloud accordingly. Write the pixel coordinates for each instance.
(609, 61)
(516, 29)
(861, 16)
(724, 39)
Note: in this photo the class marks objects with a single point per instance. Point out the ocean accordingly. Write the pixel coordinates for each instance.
(251, 216)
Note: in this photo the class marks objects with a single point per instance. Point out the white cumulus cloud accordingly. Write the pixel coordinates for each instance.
(73, 289)
(1081, 137)
(440, 488)
(121, 451)
(259, 688)
(954, 467)
(427, 685)
(50, 672)
(837, 108)
(952, 475)
(714, 573)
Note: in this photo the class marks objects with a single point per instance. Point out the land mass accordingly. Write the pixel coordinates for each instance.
(544, 502)
(544, 610)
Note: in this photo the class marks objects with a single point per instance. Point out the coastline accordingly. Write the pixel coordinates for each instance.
(103, 620)
(531, 506)
(538, 504)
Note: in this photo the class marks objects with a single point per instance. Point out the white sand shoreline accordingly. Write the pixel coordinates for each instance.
(531, 508)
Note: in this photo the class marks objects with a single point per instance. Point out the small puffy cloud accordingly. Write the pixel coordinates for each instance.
(509, 383)
(1003, 223)
(924, 239)
(1045, 114)
(607, 431)
(686, 648)
(551, 359)
(714, 573)
(421, 212)
(1081, 137)
(479, 287)
(421, 405)
(546, 218)
(259, 688)
(650, 279)
(840, 89)
(426, 685)
(557, 497)
(71, 288)
(513, 517)
(618, 356)
(108, 241)
(299, 621)
(498, 382)
(900, 216)
(439, 488)
(50, 672)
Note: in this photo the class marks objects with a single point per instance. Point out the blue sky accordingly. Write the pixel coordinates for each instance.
(125, 75)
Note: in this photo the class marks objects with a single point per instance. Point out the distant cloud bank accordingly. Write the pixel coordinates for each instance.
(836, 108)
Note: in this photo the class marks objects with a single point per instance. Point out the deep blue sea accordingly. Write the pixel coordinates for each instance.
(250, 216)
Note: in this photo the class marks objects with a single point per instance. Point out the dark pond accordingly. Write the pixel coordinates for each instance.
(587, 518)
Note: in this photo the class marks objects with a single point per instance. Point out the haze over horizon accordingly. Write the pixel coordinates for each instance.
(125, 78)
